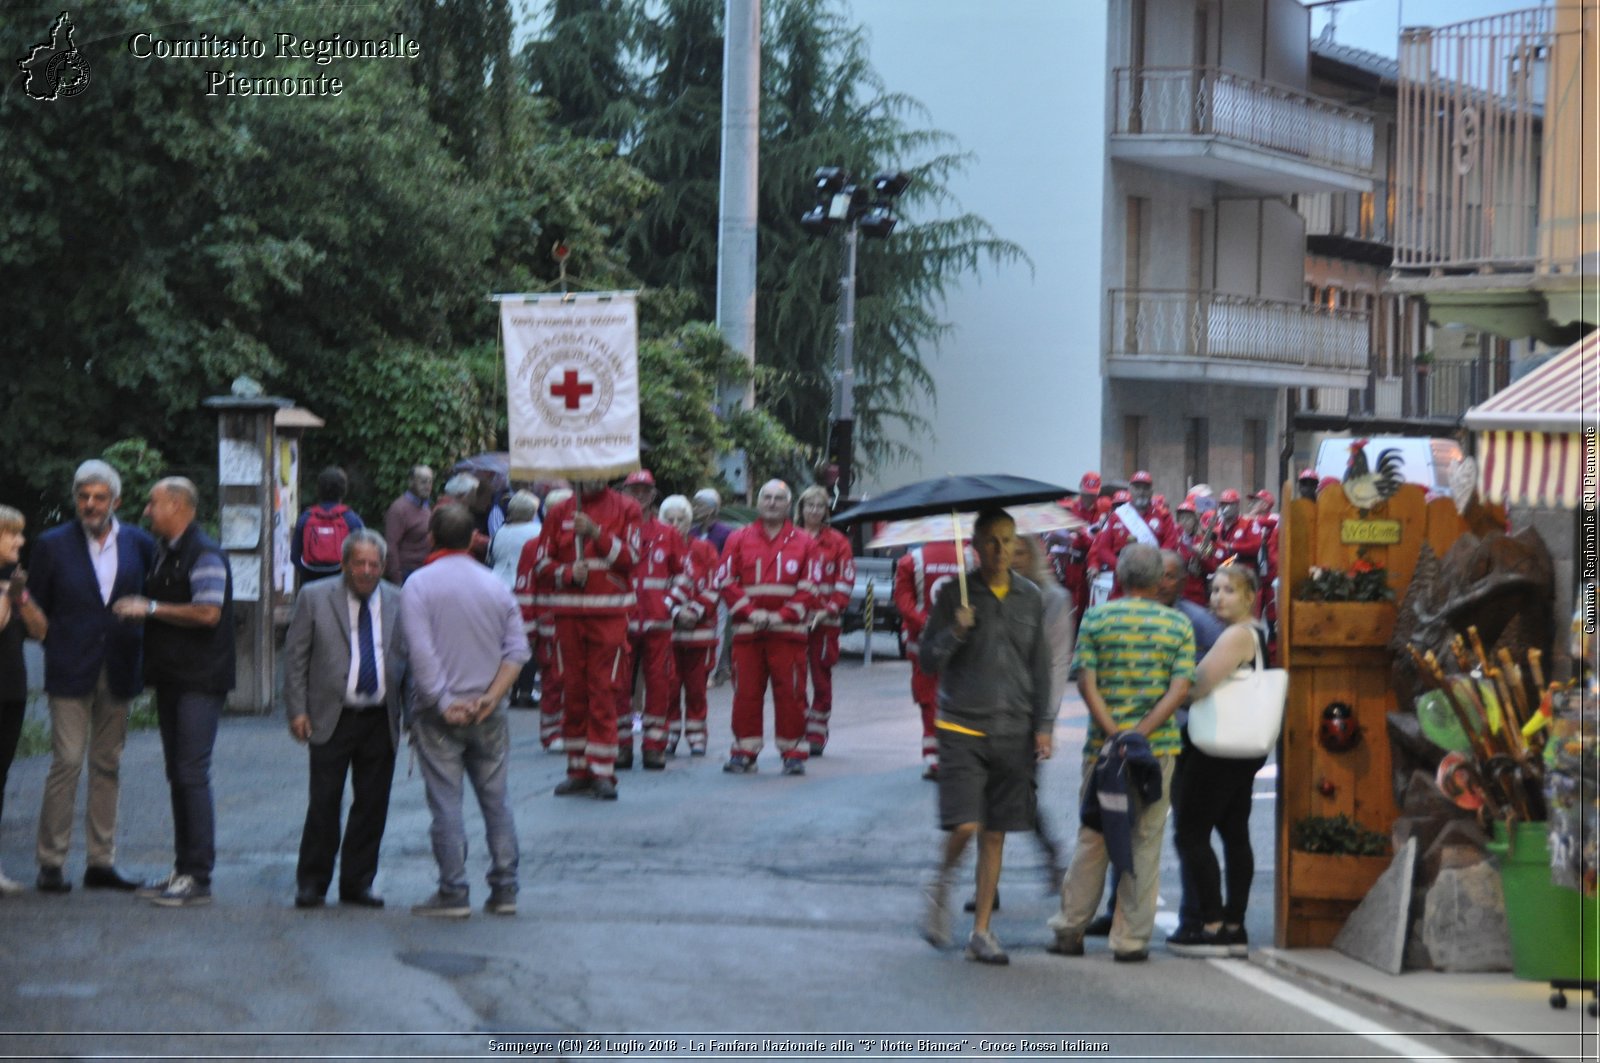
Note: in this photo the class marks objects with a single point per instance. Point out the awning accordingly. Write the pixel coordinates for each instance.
(1563, 395)
(1532, 468)
(1532, 436)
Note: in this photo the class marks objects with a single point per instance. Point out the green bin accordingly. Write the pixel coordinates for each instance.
(1554, 931)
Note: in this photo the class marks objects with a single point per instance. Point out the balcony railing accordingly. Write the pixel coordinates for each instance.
(1474, 136)
(1205, 101)
(1238, 329)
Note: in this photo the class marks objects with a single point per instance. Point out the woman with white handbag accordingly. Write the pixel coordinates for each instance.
(1213, 793)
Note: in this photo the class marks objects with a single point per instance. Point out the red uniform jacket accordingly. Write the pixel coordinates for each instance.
(660, 579)
(612, 555)
(533, 594)
(777, 574)
(918, 575)
(1115, 535)
(1240, 542)
(701, 602)
(836, 576)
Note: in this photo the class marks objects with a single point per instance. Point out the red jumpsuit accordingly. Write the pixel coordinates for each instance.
(694, 650)
(918, 575)
(836, 576)
(1115, 535)
(660, 586)
(533, 595)
(591, 621)
(776, 574)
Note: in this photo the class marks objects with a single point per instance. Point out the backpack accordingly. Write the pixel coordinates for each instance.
(322, 538)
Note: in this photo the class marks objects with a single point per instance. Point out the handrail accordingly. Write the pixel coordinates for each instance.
(1179, 323)
(1207, 101)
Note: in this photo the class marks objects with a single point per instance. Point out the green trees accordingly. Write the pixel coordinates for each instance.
(821, 105)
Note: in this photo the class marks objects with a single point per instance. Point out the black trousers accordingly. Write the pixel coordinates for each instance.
(11, 713)
(362, 748)
(1214, 794)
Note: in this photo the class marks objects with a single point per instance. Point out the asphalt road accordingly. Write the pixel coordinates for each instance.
(715, 912)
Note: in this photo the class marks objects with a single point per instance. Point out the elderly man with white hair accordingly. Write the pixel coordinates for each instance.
(91, 669)
(768, 580)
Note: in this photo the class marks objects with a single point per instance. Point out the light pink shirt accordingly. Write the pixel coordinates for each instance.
(103, 555)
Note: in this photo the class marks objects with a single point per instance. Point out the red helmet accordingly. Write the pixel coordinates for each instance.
(1230, 495)
(1187, 506)
(1142, 477)
(1307, 474)
(641, 476)
(1120, 497)
(1264, 495)
(1090, 484)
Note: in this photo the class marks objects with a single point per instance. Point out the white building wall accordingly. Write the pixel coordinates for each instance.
(1021, 85)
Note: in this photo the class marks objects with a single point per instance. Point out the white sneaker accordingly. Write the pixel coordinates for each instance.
(9, 887)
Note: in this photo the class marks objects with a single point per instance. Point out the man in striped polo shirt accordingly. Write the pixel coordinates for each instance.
(1135, 663)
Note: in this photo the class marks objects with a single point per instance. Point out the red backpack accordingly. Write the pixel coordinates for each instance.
(322, 539)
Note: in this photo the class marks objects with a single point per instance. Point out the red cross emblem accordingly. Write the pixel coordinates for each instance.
(570, 390)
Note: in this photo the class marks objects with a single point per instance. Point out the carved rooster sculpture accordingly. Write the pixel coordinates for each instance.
(1366, 487)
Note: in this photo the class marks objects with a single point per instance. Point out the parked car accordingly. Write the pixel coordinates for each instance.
(1428, 462)
(879, 573)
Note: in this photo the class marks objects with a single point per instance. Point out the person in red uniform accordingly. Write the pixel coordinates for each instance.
(1132, 521)
(694, 634)
(835, 577)
(918, 575)
(1266, 522)
(1069, 550)
(1191, 539)
(533, 596)
(1238, 538)
(767, 578)
(659, 587)
(586, 552)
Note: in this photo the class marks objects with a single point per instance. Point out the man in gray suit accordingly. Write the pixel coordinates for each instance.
(344, 662)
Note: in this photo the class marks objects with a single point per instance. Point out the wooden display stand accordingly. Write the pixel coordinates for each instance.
(1338, 651)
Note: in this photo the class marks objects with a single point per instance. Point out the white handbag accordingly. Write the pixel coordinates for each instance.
(1240, 719)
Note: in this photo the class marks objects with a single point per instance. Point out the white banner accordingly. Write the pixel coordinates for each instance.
(572, 384)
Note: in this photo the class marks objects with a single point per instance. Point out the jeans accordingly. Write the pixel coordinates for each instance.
(480, 751)
(188, 721)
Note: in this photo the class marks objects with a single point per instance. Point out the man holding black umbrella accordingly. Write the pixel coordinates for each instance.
(986, 641)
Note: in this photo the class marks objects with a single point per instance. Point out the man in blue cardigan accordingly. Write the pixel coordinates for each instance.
(92, 668)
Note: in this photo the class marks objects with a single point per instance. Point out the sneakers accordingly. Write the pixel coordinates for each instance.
(655, 760)
(155, 887)
(1237, 940)
(697, 750)
(9, 887)
(575, 786)
(738, 765)
(982, 947)
(1195, 941)
(184, 891)
(604, 790)
(502, 901)
(444, 906)
(794, 766)
(936, 915)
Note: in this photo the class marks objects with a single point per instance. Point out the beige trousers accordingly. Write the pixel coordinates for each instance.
(96, 724)
(1138, 893)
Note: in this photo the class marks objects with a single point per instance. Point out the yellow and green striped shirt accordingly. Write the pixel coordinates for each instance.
(1135, 647)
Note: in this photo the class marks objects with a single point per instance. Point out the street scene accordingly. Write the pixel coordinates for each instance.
(800, 529)
(700, 904)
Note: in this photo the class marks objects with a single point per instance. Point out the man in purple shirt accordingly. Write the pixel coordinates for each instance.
(405, 526)
(463, 634)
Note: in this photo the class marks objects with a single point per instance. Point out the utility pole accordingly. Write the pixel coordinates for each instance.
(736, 219)
(841, 440)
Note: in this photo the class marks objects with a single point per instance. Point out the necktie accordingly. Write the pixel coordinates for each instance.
(367, 676)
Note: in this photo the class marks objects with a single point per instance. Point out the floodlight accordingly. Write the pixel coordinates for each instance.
(829, 181)
(816, 222)
(877, 222)
(890, 183)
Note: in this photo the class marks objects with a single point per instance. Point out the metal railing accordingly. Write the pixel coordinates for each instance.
(1169, 323)
(1205, 101)
(1481, 106)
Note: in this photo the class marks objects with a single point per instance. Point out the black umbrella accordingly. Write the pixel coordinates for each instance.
(953, 495)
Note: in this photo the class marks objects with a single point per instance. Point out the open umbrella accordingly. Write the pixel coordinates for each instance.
(1037, 518)
(953, 495)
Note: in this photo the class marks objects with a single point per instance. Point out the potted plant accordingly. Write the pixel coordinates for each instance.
(1335, 858)
(1353, 607)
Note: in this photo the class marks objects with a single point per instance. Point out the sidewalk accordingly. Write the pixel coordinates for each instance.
(1506, 1016)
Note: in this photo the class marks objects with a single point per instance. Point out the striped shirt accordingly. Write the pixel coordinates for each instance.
(1136, 648)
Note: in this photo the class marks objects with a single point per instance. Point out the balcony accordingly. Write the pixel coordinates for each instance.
(1253, 134)
(1214, 337)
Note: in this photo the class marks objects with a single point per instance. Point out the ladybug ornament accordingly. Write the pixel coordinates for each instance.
(1339, 732)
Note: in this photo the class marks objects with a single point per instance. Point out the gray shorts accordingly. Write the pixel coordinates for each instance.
(988, 781)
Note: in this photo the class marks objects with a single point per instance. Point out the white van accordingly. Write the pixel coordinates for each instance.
(1428, 462)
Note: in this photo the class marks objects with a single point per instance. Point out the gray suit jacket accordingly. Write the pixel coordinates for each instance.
(316, 656)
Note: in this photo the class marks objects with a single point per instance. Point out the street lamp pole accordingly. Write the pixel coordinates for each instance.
(841, 437)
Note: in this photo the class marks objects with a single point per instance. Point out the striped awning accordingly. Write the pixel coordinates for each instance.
(1533, 468)
(1563, 395)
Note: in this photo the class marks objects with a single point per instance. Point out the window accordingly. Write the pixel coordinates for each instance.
(1196, 446)
(1132, 445)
